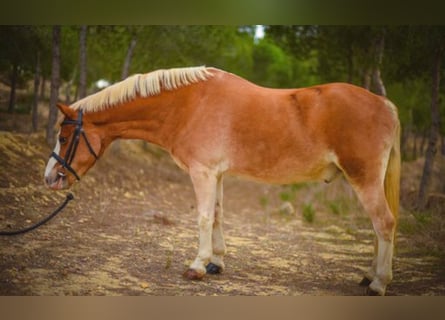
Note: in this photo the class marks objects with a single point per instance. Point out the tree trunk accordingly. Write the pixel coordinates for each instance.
(367, 78)
(415, 138)
(55, 82)
(35, 102)
(42, 88)
(128, 57)
(379, 47)
(422, 142)
(434, 132)
(442, 149)
(83, 62)
(378, 82)
(12, 95)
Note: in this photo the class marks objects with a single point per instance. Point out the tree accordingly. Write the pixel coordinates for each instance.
(35, 102)
(271, 65)
(83, 61)
(17, 57)
(377, 51)
(55, 83)
(435, 122)
(13, 79)
(130, 52)
(41, 51)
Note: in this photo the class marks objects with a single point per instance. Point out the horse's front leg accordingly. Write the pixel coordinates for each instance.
(205, 185)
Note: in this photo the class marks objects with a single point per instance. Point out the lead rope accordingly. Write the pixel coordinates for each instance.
(68, 198)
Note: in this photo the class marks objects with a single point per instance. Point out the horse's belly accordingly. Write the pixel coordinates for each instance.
(287, 172)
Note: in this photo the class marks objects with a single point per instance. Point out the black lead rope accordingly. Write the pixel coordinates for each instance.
(66, 163)
(68, 198)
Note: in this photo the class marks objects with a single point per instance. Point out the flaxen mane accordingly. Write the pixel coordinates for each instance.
(144, 85)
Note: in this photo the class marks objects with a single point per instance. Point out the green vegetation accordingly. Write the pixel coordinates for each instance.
(287, 56)
(264, 202)
(339, 206)
(308, 213)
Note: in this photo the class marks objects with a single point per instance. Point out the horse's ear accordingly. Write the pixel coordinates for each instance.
(66, 110)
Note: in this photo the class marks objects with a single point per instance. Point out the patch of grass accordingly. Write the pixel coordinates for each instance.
(338, 206)
(286, 196)
(289, 193)
(424, 231)
(334, 207)
(423, 217)
(420, 221)
(264, 202)
(308, 213)
(297, 186)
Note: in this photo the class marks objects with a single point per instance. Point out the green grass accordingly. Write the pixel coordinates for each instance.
(286, 196)
(308, 213)
(339, 206)
(422, 221)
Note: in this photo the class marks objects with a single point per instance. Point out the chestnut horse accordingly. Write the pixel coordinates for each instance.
(213, 123)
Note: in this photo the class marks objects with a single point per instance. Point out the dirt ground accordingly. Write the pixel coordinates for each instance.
(131, 230)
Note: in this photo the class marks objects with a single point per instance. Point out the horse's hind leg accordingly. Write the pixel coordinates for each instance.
(370, 274)
(216, 264)
(204, 183)
(374, 201)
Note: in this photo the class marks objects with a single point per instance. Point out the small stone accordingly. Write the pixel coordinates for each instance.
(287, 208)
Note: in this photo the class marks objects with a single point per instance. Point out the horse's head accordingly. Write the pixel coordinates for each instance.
(77, 149)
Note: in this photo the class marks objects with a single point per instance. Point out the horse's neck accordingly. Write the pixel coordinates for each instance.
(138, 119)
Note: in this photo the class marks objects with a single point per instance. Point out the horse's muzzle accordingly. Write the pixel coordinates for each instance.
(57, 181)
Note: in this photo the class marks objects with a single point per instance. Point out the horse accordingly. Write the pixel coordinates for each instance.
(214, 123)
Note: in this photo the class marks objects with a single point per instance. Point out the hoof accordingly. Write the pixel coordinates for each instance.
(192, 274)
(372, 293)
(212, 268)
(365, 282)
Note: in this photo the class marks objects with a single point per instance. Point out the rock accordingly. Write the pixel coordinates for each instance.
(287, 208)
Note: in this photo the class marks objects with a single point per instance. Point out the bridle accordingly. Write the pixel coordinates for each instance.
(72, 148)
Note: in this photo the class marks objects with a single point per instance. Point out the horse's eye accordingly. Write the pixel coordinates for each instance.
(62, 140)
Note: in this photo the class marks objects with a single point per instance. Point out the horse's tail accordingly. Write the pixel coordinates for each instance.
(392, 176)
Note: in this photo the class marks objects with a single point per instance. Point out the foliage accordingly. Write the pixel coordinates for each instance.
(308, 213)
(413, 99)
(272, 66)
(288, 56)
(19, 47)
